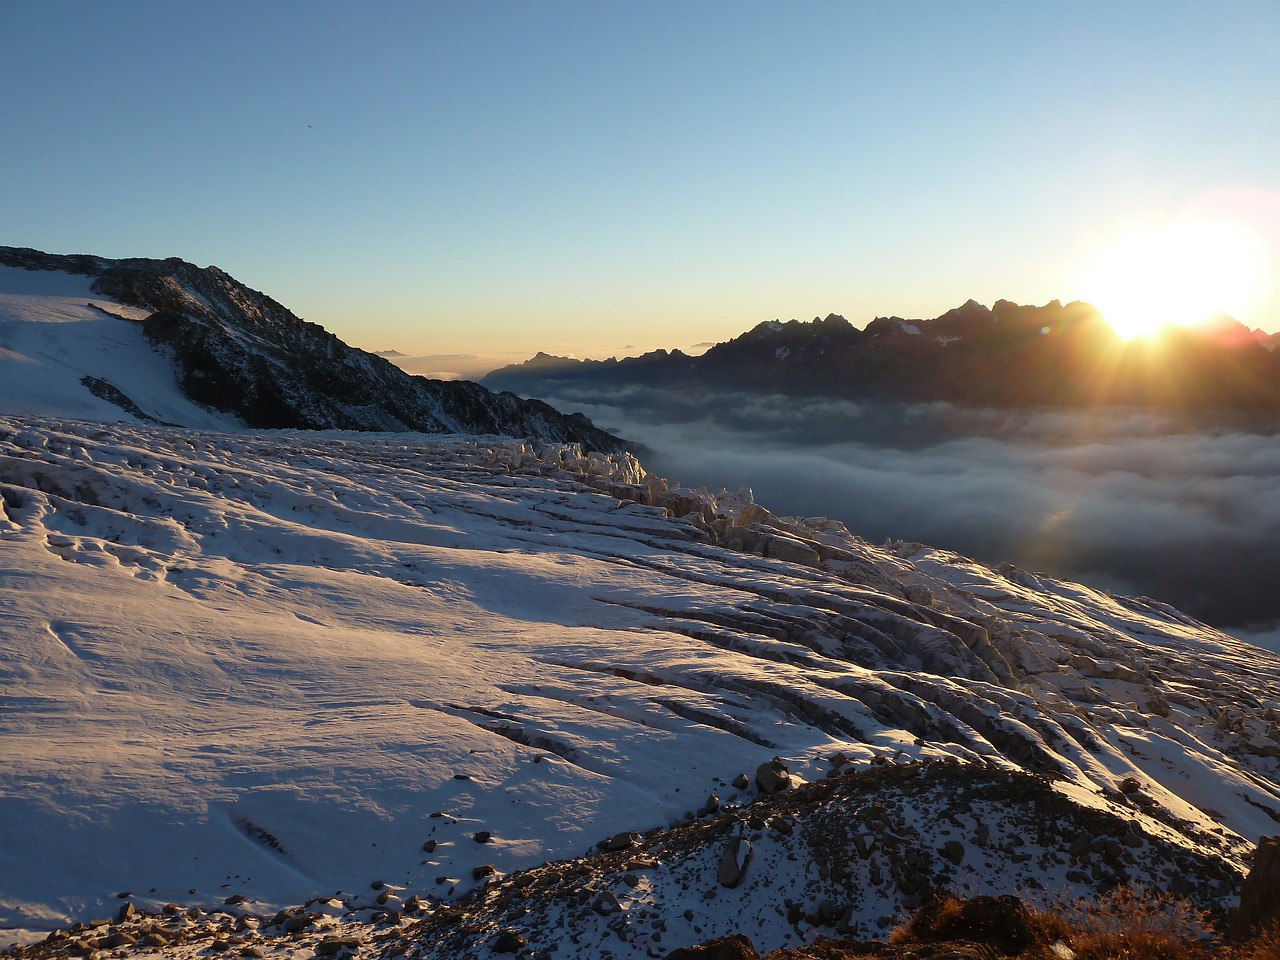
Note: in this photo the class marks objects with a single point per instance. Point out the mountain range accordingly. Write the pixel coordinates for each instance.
(332, 692)
(1003, 356)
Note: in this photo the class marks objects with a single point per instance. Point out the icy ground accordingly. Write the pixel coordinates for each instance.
(277, 665)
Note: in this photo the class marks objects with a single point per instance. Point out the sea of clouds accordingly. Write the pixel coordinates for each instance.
(1125, 500)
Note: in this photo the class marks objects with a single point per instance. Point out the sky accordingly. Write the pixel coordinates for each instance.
(594, 178)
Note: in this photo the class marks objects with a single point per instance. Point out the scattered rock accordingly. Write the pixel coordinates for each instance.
(742, 781)
(482, 836)
(733, 863)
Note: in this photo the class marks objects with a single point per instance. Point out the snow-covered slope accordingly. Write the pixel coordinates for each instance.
(281, 665)
(56, 333)
(202, 349)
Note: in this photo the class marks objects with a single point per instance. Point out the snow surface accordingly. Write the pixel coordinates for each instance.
(258, 663)
(54, 331)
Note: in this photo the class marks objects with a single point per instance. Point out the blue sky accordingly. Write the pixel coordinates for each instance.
(587, 177)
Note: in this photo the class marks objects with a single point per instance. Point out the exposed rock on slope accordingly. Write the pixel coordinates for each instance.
(239, 351)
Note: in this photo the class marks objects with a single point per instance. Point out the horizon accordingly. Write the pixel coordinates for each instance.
(587, 181)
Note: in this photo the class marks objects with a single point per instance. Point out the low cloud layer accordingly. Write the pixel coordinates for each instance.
(1127, 501)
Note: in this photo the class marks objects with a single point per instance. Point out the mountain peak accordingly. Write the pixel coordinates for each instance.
(235, 350)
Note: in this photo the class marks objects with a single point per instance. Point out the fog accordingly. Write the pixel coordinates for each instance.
(1123, 500)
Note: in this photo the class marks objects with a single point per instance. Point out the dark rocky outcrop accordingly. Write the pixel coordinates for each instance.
(1260, 895)
(239, 351)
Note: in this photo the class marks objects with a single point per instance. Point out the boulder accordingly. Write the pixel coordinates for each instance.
(1260, 895)
(773, 777)
(733, 863)
(953, 850)
(508, 942)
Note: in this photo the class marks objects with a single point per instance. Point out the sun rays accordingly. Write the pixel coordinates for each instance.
(1182, 274)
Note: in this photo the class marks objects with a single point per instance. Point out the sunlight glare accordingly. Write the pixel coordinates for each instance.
(1183, 274)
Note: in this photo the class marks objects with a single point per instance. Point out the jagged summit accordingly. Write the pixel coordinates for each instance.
(1006, 355)
(238, 351)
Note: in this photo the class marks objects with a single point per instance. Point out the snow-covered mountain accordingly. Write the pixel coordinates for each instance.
(400, 673)
(166, 340)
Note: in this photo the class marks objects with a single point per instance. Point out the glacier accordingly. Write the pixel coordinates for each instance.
(276, 666)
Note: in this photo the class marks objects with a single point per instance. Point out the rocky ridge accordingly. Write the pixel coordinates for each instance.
(239, 351)
(1007, 355)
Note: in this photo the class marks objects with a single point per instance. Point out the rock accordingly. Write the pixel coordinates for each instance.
(333, 946)
(711, 806)
(508, 942)
(298, 923)
(118, 939)
(620, 841)
(482, 836)
(773, 777)
(829, 911)
(1260, 895)
(125, 912)
(429, 846)
(953, 850)
(606, 904)
(482, 871)
(733, 863)
(1081, 845)
(734, 947)
(742, 781)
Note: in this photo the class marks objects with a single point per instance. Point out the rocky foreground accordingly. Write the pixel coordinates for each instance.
(806, 860)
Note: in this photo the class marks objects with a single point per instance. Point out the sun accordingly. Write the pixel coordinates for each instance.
(1178, 275)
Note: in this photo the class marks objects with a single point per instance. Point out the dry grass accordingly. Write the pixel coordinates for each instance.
(1127, 924)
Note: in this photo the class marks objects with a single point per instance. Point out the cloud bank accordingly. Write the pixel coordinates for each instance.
(1124, 500)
